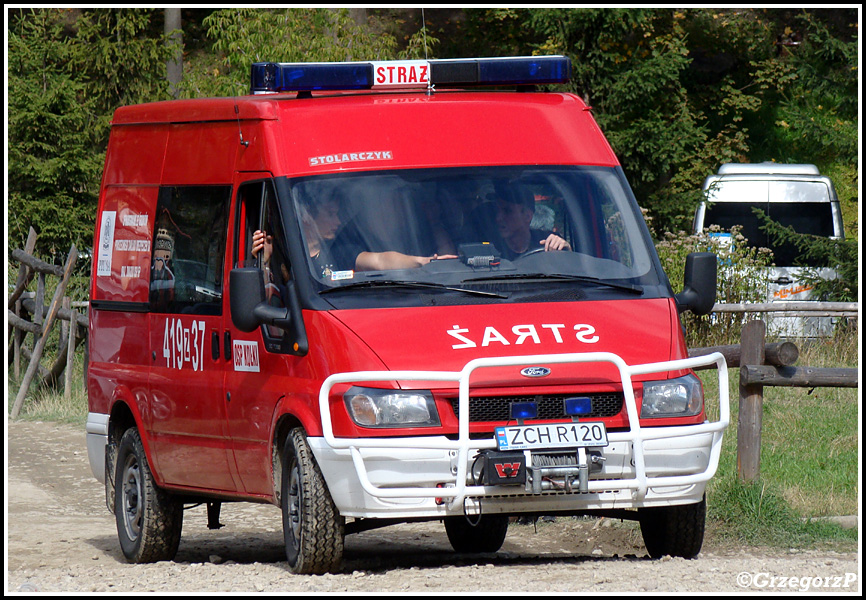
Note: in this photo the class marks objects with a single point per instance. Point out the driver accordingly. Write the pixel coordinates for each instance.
(514, 214)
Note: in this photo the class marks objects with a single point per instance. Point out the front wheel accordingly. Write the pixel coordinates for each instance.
(476, 534)
(312, 527)
(149, 519)
(674, 530)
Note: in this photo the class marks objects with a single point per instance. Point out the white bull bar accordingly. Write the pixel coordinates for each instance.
(637, 435)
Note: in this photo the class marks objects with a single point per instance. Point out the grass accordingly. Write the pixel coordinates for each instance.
(809, 455)
(809, 460)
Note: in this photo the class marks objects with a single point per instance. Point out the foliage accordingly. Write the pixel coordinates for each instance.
(817, 115)
(53, 173)
(840, 255)
(67, 73)
(242, 36)
(739, 279)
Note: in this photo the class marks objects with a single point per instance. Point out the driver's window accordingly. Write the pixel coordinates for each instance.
(262, 244)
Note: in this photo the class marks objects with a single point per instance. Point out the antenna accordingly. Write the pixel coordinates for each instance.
(424, 33)
(244, 143)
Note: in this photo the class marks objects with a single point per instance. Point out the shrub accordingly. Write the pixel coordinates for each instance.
(740, 279)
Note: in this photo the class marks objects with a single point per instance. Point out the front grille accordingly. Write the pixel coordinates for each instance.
(497, 408)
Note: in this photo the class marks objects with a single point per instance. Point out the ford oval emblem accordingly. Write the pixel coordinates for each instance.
(535, 372)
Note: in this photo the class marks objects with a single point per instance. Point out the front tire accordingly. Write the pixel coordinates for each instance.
(484, 534)
(674, 530)
(312, 527)
(149, 519)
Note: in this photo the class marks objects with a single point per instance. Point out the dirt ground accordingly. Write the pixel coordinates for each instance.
(60, 538)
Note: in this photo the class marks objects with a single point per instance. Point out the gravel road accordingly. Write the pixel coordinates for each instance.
(60, 538)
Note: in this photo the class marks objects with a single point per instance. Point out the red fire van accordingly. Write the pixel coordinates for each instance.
(370, 293)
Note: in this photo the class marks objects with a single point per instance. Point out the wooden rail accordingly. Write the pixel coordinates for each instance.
(794, 308)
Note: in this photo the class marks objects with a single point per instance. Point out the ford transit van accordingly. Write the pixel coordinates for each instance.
(370, 293)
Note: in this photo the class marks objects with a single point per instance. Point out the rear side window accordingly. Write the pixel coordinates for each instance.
(189, 240)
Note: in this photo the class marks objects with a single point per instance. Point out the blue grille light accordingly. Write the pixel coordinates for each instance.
(289, 77)
(576, 407)
(524, 410)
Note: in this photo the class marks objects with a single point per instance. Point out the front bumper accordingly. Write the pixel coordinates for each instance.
(431, 476)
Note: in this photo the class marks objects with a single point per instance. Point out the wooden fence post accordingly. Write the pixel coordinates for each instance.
(24, 276)
(70, 349)
(751, 404)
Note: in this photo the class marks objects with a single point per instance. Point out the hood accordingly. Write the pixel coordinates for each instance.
(446, 338)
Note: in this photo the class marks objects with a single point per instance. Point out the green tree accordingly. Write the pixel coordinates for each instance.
(53, 169)
(68, 71)
(243, 36)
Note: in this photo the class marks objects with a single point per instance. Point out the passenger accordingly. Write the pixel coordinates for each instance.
(513, 220)
(386, 234)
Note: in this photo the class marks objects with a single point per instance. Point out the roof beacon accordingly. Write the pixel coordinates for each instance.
(269, 77)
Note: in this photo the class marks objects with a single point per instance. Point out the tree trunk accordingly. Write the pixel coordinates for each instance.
(174, 66)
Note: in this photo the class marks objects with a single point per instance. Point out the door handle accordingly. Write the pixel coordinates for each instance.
(783, 280)
(215, 345)
(227, 345)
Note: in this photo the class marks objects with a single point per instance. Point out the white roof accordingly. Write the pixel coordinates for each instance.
(767, 168)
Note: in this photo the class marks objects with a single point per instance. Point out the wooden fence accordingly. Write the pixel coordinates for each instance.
(21, 305)
(761, 365)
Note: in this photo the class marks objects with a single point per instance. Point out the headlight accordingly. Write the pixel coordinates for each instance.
(371, 407)
(680, 397)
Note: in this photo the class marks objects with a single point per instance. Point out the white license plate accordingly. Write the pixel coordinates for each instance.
(554, 435)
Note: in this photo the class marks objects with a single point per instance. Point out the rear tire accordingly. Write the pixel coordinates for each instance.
(674, 530)
(312, 527)
(149, 519)
(469, 536)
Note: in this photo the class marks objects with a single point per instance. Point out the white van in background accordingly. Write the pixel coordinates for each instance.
(793, 195)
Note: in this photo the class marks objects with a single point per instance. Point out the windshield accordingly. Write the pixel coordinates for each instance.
(458, 227)
(803, 206)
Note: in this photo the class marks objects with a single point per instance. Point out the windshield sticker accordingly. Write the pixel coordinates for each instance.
(246, 356)
(520, 334)
(331, 159)
(342, 275)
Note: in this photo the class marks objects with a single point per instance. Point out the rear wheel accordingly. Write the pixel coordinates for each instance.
(481, 534)
(149, 519)
(312, 527)
(674, 530)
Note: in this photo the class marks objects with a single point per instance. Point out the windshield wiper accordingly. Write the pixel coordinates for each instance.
(559, 277)
(374, 283)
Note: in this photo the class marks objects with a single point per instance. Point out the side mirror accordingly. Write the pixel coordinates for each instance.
(249, 307)
(699, 284)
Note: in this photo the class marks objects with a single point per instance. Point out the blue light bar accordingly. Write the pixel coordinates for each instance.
(576, 407)
(530, 70)
(524, 410)
(296, 77)
(272, 77)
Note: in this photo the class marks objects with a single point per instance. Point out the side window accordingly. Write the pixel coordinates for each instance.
(257, 205)
(189, 249)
